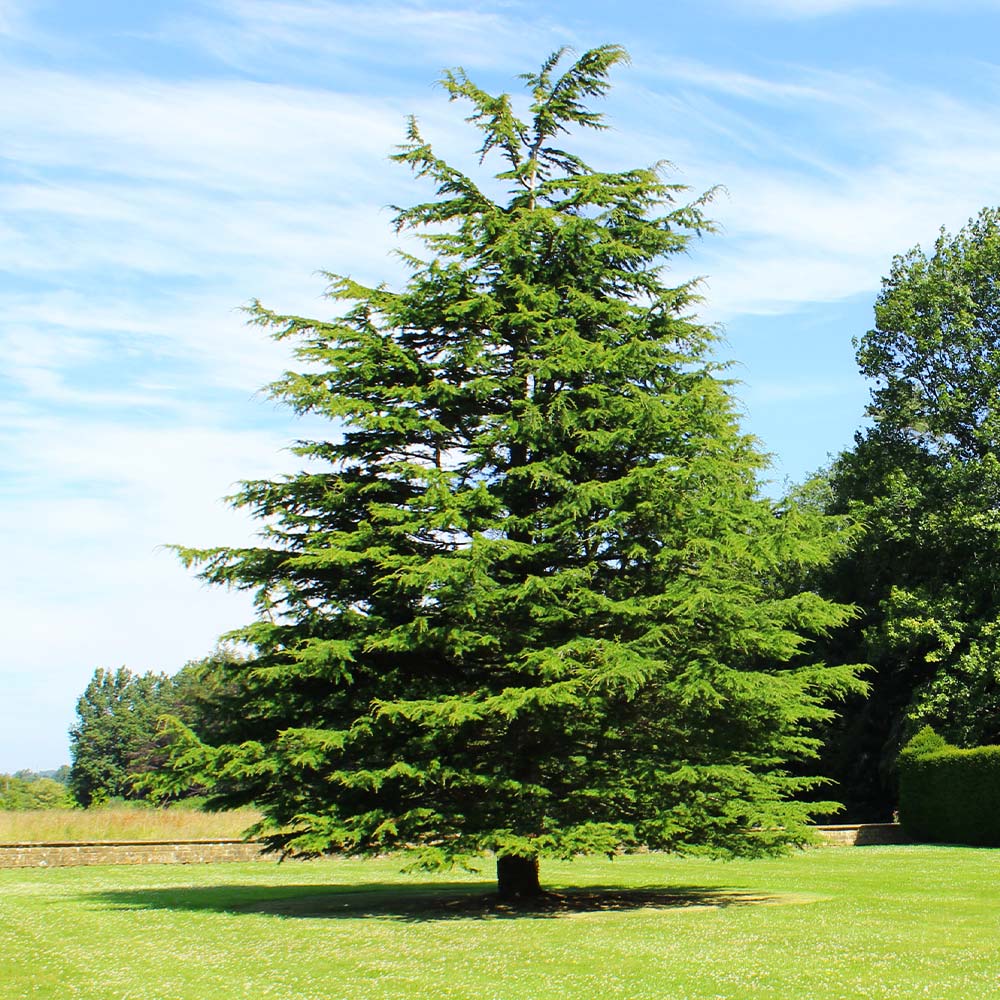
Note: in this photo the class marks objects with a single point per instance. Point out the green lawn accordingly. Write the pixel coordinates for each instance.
(830, 923)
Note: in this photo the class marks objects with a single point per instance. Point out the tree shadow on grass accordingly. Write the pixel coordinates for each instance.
(430, 901)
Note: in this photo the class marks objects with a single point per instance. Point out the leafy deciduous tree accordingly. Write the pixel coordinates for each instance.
(925, 480)
(26, 790)
(116, 714)
(117, 738)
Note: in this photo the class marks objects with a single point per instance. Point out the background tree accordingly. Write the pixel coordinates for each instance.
(60, 774)
(926, 482)
(117, 739)
(116, 714)
(201, 695)
(529, 602)
(27, 790)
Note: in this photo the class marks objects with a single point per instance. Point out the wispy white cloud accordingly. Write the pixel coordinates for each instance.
(195, 197)
(735, 83)
(804, 9)
(843, 172)
(13, 18)
(88, 505)
(801, 9)
(222, 135)
(441, 34)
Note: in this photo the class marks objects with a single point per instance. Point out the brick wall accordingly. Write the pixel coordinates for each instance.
(129, 853)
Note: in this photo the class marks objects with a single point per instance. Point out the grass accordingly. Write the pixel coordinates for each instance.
(874, 922)
(122, 823)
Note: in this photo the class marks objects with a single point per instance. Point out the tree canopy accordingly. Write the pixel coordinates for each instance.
(117, 740)
(525, 598)
(116, 716)
(934, 353)
(27, 790)
(925, 481)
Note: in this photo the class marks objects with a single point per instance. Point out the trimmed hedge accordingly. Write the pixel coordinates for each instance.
(947, 794)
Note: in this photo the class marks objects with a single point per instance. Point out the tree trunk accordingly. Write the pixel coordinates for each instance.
(517, 878)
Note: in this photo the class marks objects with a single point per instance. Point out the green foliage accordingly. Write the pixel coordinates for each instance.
(60, 774)
(118, 741)
(116, 713)
(947, 794)
(925, 482)
(29, 791)
(935, 350)
(926, 741)
(198, 696)
(530, 601)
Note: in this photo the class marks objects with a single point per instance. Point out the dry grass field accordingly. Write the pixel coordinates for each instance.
(122, 823)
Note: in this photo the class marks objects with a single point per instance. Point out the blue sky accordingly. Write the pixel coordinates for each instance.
(162, 163)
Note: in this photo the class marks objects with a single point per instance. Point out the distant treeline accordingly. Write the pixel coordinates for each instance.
(35, 790)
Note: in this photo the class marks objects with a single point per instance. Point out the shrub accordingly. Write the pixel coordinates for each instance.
(948, 794)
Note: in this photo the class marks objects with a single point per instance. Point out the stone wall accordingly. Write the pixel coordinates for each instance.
(863, 834)
(143, 852)
(187, 852)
